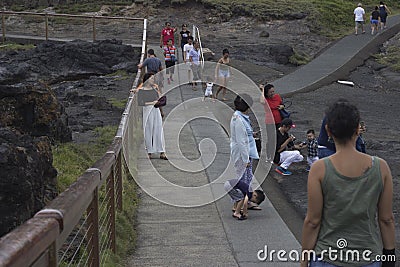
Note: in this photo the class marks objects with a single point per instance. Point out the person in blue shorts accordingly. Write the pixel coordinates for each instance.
(375, 18)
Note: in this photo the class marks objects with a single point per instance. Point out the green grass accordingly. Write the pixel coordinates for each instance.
(14, 46)
(299, 59)
(119, 75)
(92, 6)
(391, 58)
(71, 160)
(333, 18)
(118, 103)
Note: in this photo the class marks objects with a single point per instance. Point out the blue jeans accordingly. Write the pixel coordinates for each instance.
(325, 152)
(325, 264)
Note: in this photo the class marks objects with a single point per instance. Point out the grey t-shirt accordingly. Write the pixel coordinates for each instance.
(153, 64)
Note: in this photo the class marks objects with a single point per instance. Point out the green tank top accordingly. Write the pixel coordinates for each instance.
(349, 215)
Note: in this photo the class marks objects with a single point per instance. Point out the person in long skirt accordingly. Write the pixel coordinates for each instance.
(148, 95)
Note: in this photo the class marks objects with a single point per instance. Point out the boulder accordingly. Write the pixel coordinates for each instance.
(281, 53)
(27, 179)
(33, 109)
(79, 59)
(264, 34)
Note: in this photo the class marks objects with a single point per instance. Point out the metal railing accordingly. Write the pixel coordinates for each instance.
(79, 26)
(78, 227)
(196, 36)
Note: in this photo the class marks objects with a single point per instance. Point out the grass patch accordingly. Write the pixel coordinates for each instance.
(71, 160)
(391, 58)
(92, 6)
(118, 103)
(119, 75)
(299, 59)
(14, 46)
(332, 18)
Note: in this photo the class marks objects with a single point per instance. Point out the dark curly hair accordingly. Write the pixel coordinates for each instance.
(343, 120)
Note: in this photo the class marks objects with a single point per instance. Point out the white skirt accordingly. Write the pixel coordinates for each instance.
(153, 130)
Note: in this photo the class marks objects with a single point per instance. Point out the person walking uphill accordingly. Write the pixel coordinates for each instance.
(383, 13)
(350, 197)
(359, 17)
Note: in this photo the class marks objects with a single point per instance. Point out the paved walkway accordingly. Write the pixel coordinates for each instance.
(336, 62)
(208, 235)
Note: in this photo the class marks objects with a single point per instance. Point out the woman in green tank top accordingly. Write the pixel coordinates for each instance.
(349, 214)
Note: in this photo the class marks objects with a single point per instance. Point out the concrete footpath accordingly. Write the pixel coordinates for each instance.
(207, 235)
(337, 61)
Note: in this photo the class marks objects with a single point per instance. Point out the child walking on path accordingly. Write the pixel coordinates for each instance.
(208, 92)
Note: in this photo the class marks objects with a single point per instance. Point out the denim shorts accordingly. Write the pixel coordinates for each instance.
(319, 263)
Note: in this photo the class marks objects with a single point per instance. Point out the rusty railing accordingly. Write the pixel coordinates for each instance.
(83, 216)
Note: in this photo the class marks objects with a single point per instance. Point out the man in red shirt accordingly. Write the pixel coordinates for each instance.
(166, 34)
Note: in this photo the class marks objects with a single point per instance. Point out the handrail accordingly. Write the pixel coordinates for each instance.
(49, 15)
(37, 241)
(197, 36)
(68, 15)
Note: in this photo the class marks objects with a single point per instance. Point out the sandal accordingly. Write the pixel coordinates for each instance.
(163, 156)
(254, 208)
(239, 218)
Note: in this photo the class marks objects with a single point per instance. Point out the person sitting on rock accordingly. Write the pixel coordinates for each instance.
(283, 156)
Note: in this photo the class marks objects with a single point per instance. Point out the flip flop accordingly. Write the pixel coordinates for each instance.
(254, 208)
(239, 218)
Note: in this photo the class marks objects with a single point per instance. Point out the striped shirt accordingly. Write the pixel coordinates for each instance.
(169, 52)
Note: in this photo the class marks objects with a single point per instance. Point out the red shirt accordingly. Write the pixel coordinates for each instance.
(167, 33)
(273, 117)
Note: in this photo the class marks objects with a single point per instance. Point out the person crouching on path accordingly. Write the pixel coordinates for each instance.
(284, 157)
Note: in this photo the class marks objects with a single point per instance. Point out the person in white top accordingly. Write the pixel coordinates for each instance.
(359, 17)
(186, 49)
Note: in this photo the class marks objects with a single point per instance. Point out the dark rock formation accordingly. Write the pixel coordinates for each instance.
(54, 62)
(281, 53)
(27, 178)
(32, 114)
(35, 110)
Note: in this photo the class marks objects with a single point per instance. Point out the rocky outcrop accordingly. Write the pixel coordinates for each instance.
(54, 62)
(33, 109)
(27, 178)
(281, 53)
(32, 118)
